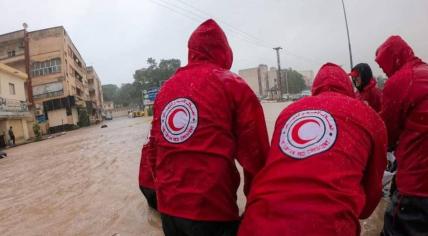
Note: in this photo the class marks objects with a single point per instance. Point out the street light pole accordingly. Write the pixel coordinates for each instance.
(347, 32)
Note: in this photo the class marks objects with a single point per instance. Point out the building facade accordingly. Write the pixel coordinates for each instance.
(60, 91)
(95, 94)
(13, 106)
(108, 106)
(262, 81)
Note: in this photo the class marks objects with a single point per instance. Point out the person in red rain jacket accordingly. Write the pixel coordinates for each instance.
(205, 118)
(145, 178)
(325, 166)
(405, 112)
(366, 86)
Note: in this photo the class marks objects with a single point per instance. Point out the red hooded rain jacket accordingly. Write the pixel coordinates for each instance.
(205, 118)
(325, 167)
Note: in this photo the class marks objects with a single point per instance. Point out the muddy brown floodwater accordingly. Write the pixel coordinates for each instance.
(86, 183)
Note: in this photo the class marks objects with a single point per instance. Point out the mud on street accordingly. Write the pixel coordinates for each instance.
(86, 183)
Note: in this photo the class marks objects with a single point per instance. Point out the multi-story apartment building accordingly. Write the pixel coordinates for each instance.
(57, 74)
(13, 106)
(95, 94)
(261, 80)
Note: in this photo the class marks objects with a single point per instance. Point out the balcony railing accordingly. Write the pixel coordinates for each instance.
(12, 105)
(49, 95)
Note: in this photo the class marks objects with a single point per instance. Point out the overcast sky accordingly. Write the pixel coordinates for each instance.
(117, 37)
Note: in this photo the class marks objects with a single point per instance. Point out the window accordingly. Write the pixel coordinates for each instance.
(11, 53)
(12, 89)
(46, 67)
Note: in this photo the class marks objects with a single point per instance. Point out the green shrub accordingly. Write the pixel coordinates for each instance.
(37, 131)
(150, 111)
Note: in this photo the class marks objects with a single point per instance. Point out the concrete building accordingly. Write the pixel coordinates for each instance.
(261, 80)
(13, 106)
(59, 86)
(95, 94)
(108, 106)
(308, 76)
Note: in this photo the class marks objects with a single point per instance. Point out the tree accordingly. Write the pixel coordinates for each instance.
(144, 79)
(296, 83)
(155, 74)
(109, 92)
(129, 94)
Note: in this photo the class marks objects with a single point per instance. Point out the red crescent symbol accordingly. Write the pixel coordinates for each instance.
(295, 132)
(171, 119)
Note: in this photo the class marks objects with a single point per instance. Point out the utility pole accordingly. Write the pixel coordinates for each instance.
(28, 65)
(279, 74)
(347, 32)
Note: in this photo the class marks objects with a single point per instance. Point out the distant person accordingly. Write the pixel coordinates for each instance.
(145, 178)
(366, 86)
(324, 170)
(205, 118)
(405, 112)
(12, 136)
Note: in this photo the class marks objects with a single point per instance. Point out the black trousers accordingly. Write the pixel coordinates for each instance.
(150, 195)
(406, 216)
(176, 226)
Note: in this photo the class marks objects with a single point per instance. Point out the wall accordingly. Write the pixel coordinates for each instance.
(251, 77)
(18, 130)
(57, 117)
(5, 79)
(75, 115)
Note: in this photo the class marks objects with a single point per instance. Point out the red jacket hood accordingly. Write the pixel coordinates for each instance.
(393, 54)
(209, 43)
(332, 77)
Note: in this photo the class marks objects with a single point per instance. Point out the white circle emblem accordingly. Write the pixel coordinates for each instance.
(307, 133)
(179, 120)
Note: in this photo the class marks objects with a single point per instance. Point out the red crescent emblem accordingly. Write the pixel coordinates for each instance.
(171, 120)
(295, 132)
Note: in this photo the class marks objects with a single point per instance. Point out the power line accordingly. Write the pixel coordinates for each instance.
(221, 21)
(197, 15)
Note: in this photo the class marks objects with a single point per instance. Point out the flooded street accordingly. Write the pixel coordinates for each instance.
(86, 183)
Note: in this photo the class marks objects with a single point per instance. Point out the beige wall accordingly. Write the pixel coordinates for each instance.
(17, 127)
(57, 117)
(5, 79)
(75, 116)
(251, 77)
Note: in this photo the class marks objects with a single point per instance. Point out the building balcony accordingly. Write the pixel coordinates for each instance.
(49, 95)
(10, 108)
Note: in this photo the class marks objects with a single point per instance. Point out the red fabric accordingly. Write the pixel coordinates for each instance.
(326, 193)
(354, 74)
(372, 95)
(404, 109)
(197, 179)
(145, 178)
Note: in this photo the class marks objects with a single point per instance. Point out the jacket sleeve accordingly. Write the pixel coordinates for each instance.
(252, 142)
(394, 107)
(142, 169)
(377, 100)
(372, 180)
(152, 145)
